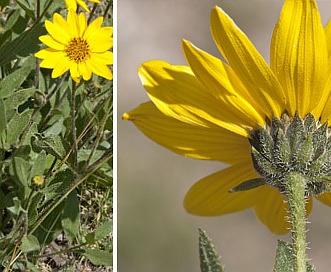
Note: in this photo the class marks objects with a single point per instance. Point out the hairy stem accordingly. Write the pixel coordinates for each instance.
(295, 187)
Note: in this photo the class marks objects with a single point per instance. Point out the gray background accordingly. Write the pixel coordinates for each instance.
(155, 234)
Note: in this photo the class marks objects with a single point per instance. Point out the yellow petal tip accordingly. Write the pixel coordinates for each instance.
(125, 116)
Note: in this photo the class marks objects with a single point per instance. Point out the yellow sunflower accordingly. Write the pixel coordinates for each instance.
(264, 121)
(73, 45)
(72, 4)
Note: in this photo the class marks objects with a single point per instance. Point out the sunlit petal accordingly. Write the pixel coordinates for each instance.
(248, 64)
(177, 93)
(210, 196)
(213, 143)
(216, 76)
(301, 67)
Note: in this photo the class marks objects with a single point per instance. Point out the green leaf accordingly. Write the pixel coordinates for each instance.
(247, 185)
(98, 257)
(29, 243)
(24, 45)
(52, 144)
(16, 208)
(16, 99)
(34, 204)
(16, 126)
(14, 80)
(4, 3)
(19, 169)
(285, 258)
(56, 128)
(2, 122)
(28, 11)
(58, 184)
(39, 165)
(50, 227)
(100, 233)
(71, 216)
(31, 267)
(12, 19)
(209, 259)
(105, 229)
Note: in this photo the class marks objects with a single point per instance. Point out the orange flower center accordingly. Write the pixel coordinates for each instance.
(78, 50)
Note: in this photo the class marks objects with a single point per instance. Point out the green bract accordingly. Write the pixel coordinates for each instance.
(288, 145)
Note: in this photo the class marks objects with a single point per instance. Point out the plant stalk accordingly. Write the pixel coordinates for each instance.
(295, 187)
(73, 125)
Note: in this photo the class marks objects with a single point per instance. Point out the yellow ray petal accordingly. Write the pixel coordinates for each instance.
(326, 106)
(74, 73)
(73, 22)
(100, 40)
(199, 142)
(59, 29)
(179, 94)
(83, 5)
(82, 24)
(215, 75)
(98, 64)
(51, 57)
(93, 27)
(50, 42)
(299, 55)
(247, 63)
(272, 210)
(210, 196)
(85, 71)
(103, 58)
(61, 67)
(324, 198)
(327, 32)
(71, 4)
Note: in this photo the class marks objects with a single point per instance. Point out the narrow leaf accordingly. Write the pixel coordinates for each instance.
(209, 259)
(247, 185)
(284, 257)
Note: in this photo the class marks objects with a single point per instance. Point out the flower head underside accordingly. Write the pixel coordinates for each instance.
(243, 111)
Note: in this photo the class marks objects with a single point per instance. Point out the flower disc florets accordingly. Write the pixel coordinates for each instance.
(78, 50)
(288, 145)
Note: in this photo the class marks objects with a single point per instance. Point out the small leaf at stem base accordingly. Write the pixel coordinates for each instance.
(209, 259)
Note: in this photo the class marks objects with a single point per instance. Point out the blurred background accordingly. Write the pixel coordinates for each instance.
(155, 234)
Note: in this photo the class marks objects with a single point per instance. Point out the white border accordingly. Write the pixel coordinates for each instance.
(115, 136)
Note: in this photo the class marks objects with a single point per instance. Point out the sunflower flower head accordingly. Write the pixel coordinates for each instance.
(72, 4)
(268, 122)
(73, 45)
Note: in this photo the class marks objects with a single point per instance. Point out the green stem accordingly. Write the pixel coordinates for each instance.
(73, 125)
(295, 187)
